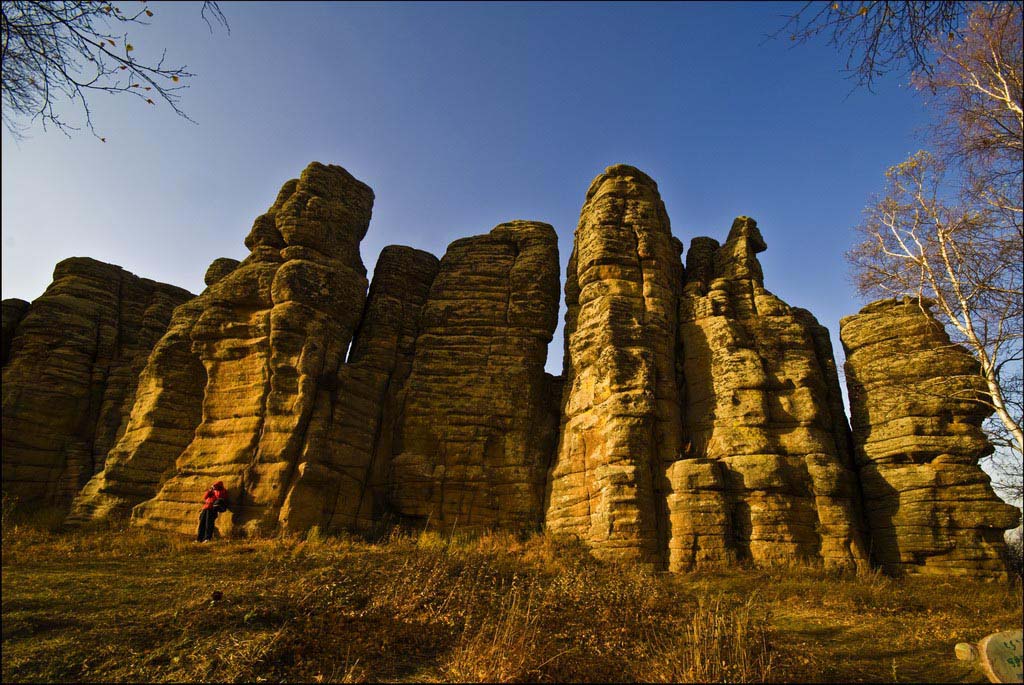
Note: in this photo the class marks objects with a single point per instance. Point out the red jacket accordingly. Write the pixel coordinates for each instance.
(218, 491)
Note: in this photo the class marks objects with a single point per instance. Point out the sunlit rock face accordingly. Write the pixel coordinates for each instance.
(703, 419)
(475, 435)
(698, 422)
(356, 467)
(918, 438)
(260, 348)
(621, 413)
(765, 473)
(71, 364)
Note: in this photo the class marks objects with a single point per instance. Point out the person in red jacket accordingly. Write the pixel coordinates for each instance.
(215, 501)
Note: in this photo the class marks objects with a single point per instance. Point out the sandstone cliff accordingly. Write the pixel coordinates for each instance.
(699, 419)
(72, 362)
(474, 438)
(765, 473)
(918, 439)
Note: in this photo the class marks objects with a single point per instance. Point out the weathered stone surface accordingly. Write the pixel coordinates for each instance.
(71, 372)
(699, 420)
(475, 433)
(219, 268)
(917, 444)
(162, 422)
(621, 421)
(270, 336)
(765, 473)
(351, 476)
(13, 310)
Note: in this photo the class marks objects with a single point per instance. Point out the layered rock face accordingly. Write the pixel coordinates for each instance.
(71, 364)
(698, 422)
(355, 469)
(474, 438)
(929, 506)
(264, 342)
(703, 419)
(621, 412)
(765, 473)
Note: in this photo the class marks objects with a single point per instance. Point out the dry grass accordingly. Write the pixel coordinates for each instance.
(130, 605)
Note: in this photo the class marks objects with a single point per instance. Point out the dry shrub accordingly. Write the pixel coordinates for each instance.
(723, 642)
(500, 647)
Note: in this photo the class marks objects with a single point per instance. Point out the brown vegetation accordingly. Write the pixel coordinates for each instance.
(137, 605)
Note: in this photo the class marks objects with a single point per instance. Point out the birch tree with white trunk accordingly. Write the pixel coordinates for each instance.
(948, 228)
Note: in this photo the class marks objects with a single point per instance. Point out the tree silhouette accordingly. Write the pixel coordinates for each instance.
(66, 51)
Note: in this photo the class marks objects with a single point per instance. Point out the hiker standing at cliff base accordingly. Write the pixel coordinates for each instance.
(215, 501)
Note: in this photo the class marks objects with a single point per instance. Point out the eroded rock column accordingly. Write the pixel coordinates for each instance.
(344, 485)
(765, 471)
(265, 342)
(72, 366)
(918, 438)
(621, 423)
(474, 433)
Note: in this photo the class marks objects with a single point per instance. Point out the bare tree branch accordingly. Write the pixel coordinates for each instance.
(879, 36)
(55, 51)
(948, 228)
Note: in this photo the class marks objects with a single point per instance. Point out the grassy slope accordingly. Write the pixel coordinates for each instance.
(134, 605)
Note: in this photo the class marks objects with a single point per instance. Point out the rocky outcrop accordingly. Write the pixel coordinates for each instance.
(70, 374)
(219, 268)
(13, 310)
(474, 438)
(269, 336)
(698, 422)
(703, 418)
(765, 473)
(621, 413)
(917, 435)
(162, 421)
(352, 477)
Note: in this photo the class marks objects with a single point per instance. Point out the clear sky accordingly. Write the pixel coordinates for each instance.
(462, 116)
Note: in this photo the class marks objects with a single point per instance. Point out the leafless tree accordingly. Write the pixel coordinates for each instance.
(949, 228)
(879, 36)
(66, 51)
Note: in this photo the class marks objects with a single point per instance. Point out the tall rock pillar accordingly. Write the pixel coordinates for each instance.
(473, 435)
(249, 360)
(621, 421)
(918, 438)
(765, 472)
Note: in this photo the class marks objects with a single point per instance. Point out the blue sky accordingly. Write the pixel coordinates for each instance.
(461, 116)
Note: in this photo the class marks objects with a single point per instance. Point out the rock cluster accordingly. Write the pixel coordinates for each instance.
(765, 473)
(263, 344)
(698, 421)
(474, 438)
(917, 436)
(71, 365)
(703, 419)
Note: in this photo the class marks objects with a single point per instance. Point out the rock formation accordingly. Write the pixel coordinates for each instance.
(13, 310)
(354, 474)
(474, 439)
(621, 416)
(918, 438)
(703, 419)
(699, 419)
(71, 364)
(268, 336)
(766, 472)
